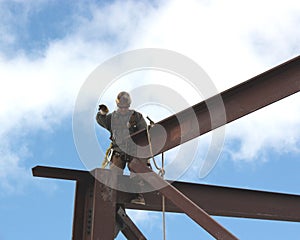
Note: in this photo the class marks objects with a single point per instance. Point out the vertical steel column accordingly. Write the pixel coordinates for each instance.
(94, 208)
(82, 209)
(104, 207)
(95, 203)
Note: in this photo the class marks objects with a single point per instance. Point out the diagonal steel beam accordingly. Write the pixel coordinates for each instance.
(181, 201)
(130, 230)
(247, 97)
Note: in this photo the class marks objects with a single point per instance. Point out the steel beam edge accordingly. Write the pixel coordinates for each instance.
(60, 173)
(226, 201)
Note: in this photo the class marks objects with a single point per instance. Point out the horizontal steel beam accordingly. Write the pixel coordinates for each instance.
(60, 173)
(215, 200)
(247, 97)
(230, 202)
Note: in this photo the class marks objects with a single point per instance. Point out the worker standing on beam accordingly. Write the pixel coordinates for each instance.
(121, 123)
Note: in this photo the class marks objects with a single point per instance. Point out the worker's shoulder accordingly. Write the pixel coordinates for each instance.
(108, 116)
(136, 114)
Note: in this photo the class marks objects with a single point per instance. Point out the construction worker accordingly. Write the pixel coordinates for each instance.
(121, 124)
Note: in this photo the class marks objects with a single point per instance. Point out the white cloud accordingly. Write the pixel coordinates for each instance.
(234, 41)
(231, 40)
(276, 128)
(220, 36)
(35, 94)
(139, 218)
(12, 174)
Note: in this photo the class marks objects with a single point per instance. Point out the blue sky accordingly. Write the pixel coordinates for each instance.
(49, 48)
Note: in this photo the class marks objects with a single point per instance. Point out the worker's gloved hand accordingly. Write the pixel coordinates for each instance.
(103, 109)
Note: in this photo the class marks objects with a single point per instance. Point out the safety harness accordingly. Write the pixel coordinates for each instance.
(118, 130)
(131, 125)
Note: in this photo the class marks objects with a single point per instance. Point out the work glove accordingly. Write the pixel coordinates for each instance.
(103, 109)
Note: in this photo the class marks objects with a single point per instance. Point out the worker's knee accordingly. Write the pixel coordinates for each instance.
(144, 161)
(117, 164)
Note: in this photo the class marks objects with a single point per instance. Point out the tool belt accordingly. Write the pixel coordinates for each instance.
(110, 152)
(125, 157)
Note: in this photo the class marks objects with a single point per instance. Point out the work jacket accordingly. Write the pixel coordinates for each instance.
(120, 128)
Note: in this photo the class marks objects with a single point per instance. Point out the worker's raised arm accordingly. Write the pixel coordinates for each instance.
(103, 118)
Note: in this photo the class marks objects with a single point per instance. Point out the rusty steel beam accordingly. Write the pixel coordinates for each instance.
(247, 97)
(103, 209)
(130, 230)
(60, 173)
(95, 203)
(215, 200)
(182, 202)
(83, 196)
(228, 202)
(82, 210)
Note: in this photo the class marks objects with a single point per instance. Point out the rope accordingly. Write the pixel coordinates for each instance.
(106, 159)
(161, 172)
(163, 201)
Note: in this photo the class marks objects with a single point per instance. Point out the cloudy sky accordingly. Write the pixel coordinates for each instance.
(49, 48)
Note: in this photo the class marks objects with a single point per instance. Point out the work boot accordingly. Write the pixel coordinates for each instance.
(138, 200)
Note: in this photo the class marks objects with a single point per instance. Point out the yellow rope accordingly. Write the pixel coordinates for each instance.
(105, 161)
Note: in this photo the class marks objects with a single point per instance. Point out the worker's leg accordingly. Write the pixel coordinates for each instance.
(117, 165)
(133, 174)
(140, 183)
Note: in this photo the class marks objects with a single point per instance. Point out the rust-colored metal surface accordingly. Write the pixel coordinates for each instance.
(229, 202)
(82, 210)
(104, 209)
(130, 230)
(61, 173)
(215, 200)
(95, 203)
(182, 202)
(247, 97)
